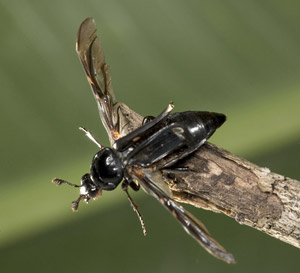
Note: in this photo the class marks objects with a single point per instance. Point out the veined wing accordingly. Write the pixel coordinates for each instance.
(97, 71)
(190, 223)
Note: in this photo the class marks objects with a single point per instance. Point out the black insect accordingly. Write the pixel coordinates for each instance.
(137, 158)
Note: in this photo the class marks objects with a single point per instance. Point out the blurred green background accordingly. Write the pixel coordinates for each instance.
(236, 57)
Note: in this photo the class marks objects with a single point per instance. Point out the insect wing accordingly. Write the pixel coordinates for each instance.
(168, 138)
(159, 145)
(97, 71)
(190, 224)
(140, 133)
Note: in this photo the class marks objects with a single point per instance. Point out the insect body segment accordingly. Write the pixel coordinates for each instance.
(172, 138)
(107, 169)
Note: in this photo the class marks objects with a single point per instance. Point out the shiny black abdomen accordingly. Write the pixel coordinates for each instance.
(171, 139)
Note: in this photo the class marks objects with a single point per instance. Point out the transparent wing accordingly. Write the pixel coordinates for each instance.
(97, 71)
(190, 223)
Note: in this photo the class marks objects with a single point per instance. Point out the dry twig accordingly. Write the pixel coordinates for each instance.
(222, 182)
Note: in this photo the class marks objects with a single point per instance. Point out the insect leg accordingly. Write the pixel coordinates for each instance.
(125, 185)
(134, 185)
(147, 119)
(189, 222)
(90, 136)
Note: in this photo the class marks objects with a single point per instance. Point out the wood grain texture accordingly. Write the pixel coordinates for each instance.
(222, 182)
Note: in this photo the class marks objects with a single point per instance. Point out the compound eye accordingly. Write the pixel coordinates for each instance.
(107, 169)
(89, 188)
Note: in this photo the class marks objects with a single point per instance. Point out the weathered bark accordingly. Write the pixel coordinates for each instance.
(222, 182)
